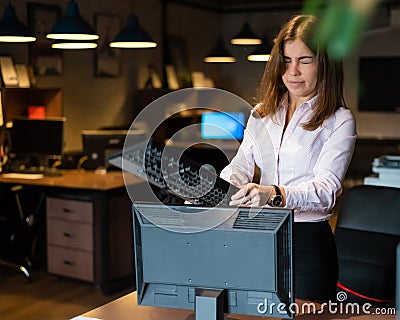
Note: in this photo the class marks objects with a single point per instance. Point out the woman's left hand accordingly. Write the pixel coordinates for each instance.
(251, 194)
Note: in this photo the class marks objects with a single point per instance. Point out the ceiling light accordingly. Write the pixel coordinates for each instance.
(72, 26)
(12, 29)
(133, 36)
(261, 53)
(74, 45)
(219, 53)
(246, 36)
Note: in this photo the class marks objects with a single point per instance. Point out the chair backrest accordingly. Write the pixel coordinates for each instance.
(372, 209)
(367, 234)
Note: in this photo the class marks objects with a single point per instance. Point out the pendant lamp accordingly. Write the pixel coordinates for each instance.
(12, 29)
(133, 36)
(262, 52)
(72, 26)
(246, 36)
(73, 45)
(219, 53)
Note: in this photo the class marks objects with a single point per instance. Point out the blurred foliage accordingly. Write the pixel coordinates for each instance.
(342, 23)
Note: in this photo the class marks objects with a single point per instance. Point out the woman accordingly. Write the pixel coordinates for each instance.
(301, 136)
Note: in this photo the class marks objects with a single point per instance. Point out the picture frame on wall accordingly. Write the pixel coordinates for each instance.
(176, 46)
(107, 59)
(43, 59)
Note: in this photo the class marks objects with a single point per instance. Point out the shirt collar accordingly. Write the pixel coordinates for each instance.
(285, 101)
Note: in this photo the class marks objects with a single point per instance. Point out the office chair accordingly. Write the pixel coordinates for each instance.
(18, 234)
(367, 234)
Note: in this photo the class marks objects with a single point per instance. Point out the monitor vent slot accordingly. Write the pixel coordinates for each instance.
(284, 262)
(247, 219)
(161, 216)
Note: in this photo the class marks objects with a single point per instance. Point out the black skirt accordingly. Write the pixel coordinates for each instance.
(315, 261)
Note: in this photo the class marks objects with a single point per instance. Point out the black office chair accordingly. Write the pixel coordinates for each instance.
(367, 234)
(18, 233)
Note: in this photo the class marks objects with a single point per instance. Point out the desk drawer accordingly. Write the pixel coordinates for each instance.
(67, 209)
(70, 263)
(70, 234)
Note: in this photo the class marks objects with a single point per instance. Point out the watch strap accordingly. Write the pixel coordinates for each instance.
(277, 190)
(278, 195)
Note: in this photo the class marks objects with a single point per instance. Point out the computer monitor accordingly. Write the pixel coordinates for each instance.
(375, 95)
(98, 145)
(222, 125)
(243, 256)
(37, 140)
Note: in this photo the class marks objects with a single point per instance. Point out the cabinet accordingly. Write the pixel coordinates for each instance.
(89, 234)
(70, 249)
(15, 102)
(88, 224)
(89, 228)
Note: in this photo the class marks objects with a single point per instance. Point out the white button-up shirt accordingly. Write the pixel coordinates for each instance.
(309, 165)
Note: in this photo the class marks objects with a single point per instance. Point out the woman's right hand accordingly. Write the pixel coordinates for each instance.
(251, 194)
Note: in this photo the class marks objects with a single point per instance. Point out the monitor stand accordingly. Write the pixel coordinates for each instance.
(209, 304)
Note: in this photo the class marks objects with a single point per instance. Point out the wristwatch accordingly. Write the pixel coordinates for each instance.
(277, 199)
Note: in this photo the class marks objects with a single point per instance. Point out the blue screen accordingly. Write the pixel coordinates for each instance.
(222, 125)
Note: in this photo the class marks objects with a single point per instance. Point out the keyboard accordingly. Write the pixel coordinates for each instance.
(165, 168)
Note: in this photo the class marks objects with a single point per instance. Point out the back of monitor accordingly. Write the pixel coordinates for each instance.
(250, 262)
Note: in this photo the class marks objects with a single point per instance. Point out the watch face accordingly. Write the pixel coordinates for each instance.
(277, 201)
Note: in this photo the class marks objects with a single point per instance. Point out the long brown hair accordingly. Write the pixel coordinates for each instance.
(330, 80)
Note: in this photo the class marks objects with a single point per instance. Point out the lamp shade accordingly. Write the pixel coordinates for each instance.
(13, 30)
(219, 53)
(261, 53)
(133, 36)
(72, 26)
(246, 36)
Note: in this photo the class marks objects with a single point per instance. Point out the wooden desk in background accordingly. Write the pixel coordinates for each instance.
(126, 308)
(89, 225)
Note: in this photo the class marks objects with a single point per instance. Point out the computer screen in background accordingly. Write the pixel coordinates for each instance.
(222, 125)
(375, 95)
(33, 142)
(98, 145)
(245, 257)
